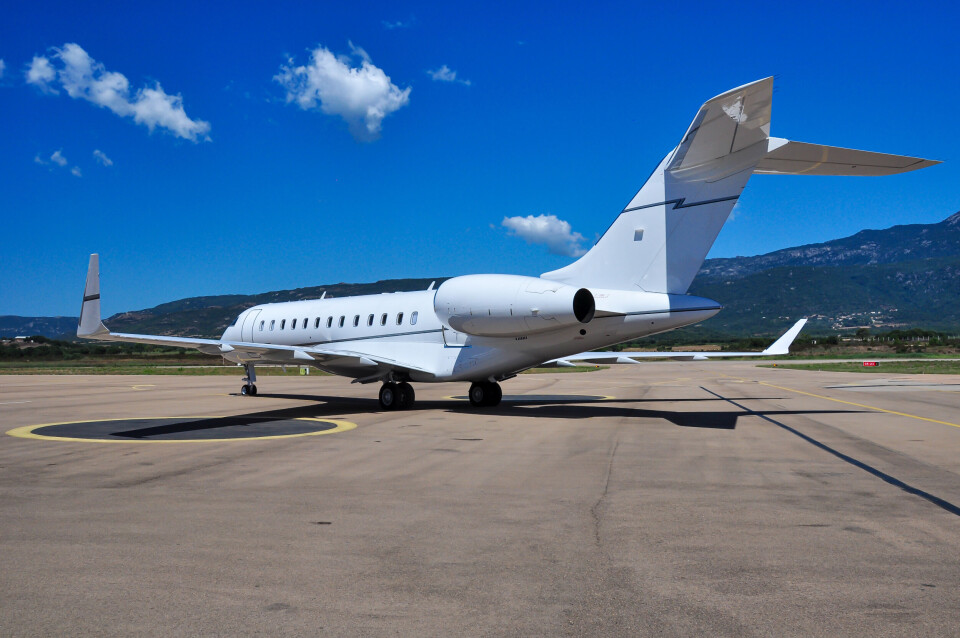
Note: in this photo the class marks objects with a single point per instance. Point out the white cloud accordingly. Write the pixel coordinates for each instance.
(548, 230)
(40, 73)
(735, 212)
(446, 74)
(58, 158)
(75, 171)
(102, 158)
(3, 67)
(398, 24)
(39, 160)
(362, 95)
(82, 77)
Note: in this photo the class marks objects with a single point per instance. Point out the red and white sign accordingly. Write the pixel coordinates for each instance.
(871, 363)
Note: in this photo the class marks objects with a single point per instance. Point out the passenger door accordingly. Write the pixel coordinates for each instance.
(248, 327)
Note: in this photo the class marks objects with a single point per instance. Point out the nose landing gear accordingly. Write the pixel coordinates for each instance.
(249, 388)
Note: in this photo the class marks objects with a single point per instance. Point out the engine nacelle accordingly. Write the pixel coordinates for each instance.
(510, 305)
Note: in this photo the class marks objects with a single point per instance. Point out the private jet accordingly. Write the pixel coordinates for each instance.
(485, 329)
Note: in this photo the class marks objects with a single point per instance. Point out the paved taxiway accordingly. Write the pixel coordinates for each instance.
(707, 498)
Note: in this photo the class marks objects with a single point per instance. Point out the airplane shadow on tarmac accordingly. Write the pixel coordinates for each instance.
(554, 407)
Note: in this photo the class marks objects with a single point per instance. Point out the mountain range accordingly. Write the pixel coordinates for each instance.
(905, 276)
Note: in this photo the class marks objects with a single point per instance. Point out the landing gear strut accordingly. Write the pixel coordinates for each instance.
(249, 388)
(485, 394)
(397, 396)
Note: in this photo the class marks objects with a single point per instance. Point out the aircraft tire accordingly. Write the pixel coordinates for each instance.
(245, 390)
(389, 396)
(485, 394)
(253, 389)
(496, 394)
(406, 395)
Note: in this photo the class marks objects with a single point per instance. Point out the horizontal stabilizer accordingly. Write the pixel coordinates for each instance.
(799, 158)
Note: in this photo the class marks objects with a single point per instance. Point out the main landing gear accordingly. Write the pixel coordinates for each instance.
(249, 388)
(397, 396)
(485, 394)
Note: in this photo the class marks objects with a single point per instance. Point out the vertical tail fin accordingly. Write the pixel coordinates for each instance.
(659, 241)
(90, 324)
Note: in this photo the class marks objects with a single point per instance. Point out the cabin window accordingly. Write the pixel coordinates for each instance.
(261, 325)
(304, 325)
(329, 321)
(272, 321)
(383, 319)
(283, 322)
(341, 321)
(370, 320)
(413, 318)
(356, 320)
(399, 318)
(293, 324)
(316, 324)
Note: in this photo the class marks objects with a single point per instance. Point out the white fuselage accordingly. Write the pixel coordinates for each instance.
(405, 327)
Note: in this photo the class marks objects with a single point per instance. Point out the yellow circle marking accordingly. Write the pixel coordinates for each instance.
(27, 431)
(520, 397)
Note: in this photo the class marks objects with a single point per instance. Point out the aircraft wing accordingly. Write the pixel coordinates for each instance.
(779, 347)
(92, 327)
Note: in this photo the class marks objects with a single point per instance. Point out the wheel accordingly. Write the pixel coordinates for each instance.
(406, 394)
(253, 389)
(389, 396)
(478, 394)
(485, 394)
(496, 394)
(245, 390)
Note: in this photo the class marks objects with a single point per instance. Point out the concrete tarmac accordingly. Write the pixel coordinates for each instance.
(685, 499)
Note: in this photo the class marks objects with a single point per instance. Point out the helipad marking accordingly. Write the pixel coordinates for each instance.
(28, 431)
(544, 397)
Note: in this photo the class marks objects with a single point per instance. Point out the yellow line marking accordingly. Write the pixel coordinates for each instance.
(144, 386)
(860, 405)
(27, 431)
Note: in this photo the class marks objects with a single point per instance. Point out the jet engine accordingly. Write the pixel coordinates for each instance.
(511, 305)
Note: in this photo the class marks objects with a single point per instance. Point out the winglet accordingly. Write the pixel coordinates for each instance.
(90, 325)
(782, 345)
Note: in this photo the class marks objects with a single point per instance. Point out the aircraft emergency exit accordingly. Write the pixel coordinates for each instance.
(484, 329)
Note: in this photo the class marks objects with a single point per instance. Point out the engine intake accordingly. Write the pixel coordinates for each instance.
(510, 305)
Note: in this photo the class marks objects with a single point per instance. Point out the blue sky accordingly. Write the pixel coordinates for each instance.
(201, 177)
